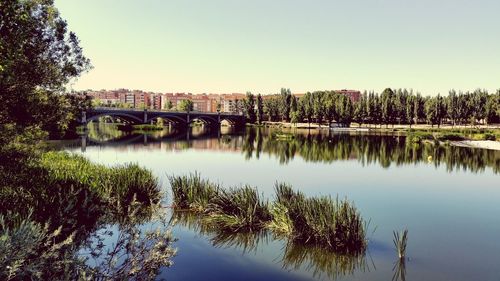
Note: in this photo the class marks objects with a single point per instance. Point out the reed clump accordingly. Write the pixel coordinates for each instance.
(400, 241)
(192, 192)
(239, 208)
(333, 223)
(123, 183)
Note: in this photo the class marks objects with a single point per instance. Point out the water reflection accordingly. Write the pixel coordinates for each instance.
(399, 270)
(317, 261)
(312, 146)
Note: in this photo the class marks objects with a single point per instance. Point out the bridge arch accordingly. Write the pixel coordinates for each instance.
(169, 117)
(207, 120)
(125, 116)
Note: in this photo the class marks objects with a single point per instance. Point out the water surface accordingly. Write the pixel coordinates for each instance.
(446, 196)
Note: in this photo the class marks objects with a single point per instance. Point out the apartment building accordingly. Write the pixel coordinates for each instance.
(232, 102)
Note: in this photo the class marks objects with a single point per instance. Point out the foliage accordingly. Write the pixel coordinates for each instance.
(319, 221)
(238, 209)
(185, 105)
(122, 183)
(323, 221)
(249, 107)
(191, 192)
(55, 203)
(260, 109)
(392, 106)
(38, 56)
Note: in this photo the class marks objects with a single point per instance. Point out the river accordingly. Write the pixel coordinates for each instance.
(447, 197)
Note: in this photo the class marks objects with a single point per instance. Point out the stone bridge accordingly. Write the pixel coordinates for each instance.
(136, 116)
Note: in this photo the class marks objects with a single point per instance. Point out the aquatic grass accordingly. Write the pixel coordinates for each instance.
(334, 223)
(239, 208)
(400, 241)
(121, 183)
(192, 192)
(281, 223)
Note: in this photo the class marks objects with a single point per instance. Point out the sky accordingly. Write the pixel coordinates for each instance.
(224, 46)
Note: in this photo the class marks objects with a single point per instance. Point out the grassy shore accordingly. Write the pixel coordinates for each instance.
(324, 221)
(53, 203)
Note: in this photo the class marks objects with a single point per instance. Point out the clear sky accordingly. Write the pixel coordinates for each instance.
(263, 45)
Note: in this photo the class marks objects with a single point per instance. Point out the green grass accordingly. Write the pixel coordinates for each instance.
(122, 183)
(54, 202)
(191, 192)
(332, 223)
(419, 135)
(239, 208)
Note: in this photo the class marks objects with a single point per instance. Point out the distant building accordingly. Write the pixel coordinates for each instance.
(201, 103)
(157, 101)
(229, 103)
(354, 95)
(232, 103)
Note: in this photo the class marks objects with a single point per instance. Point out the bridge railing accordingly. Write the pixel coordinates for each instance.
(164, 111)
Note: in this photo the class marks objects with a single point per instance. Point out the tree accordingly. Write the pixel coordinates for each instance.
(344, 109)
(410, 109)
(293, 105)
(329, 106)
(435, 110)
(463, 109)
(238, 106)
(430, 111)
(452, 106)
(318, 106)
(285, 98)
(492, 108)
(185, 105)
(169, 105)
(271, 107)
(375, 108)
(479, 99)
(38, 56)
(249, 107)
(294, 117)
(419, 110)
(308, 106)
(260, 109)
(387, 97)
(360, 107)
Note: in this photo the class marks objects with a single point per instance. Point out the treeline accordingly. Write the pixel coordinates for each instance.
(399, 106)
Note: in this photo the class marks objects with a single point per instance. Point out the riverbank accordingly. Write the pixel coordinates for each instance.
(55, 203)
(493, 145)
(416, 133)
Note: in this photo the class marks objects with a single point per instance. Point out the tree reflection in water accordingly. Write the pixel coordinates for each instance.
(323, 146)
(317, 260)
